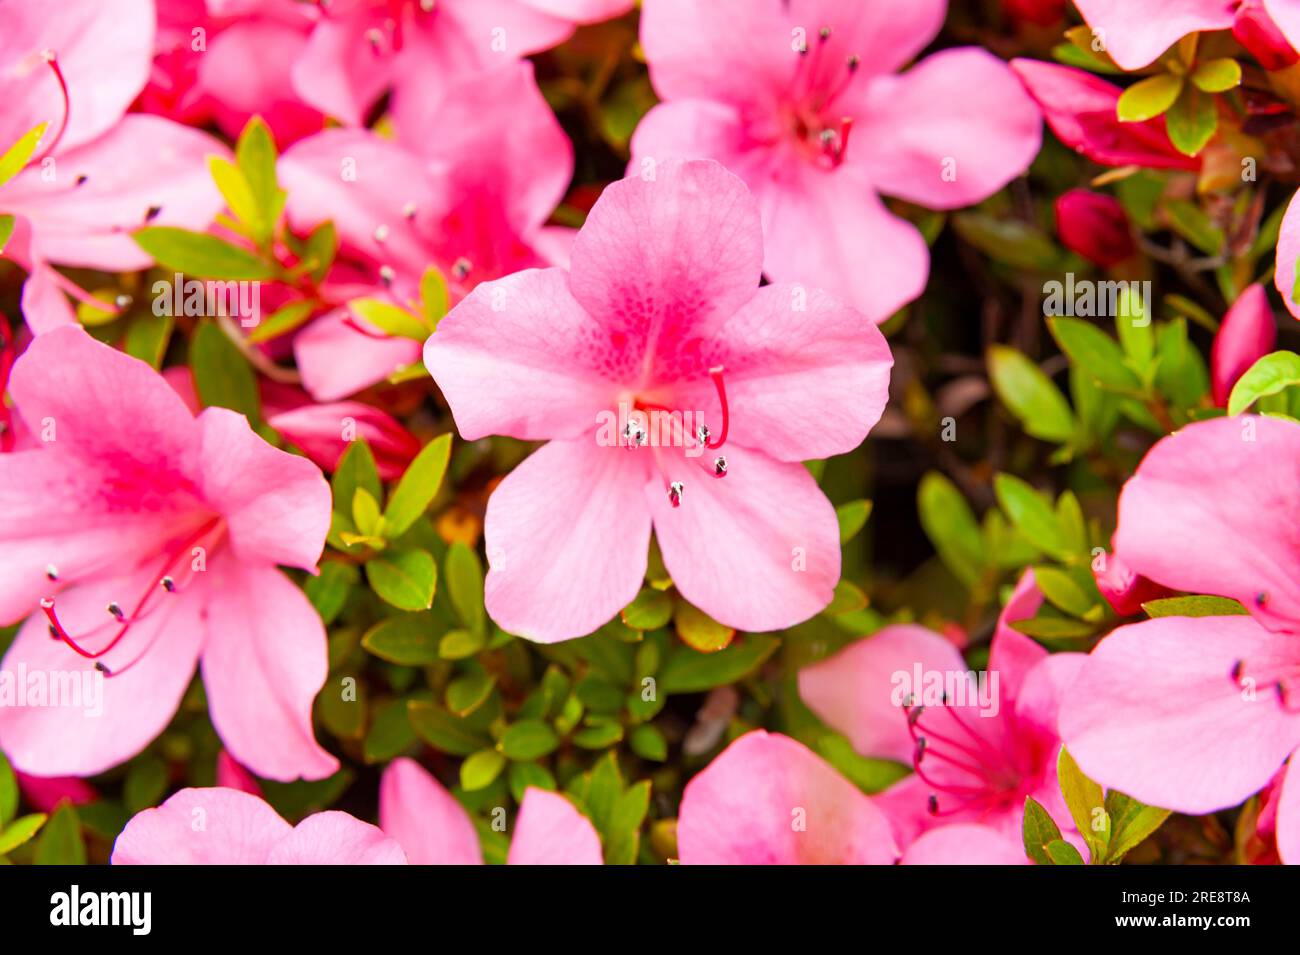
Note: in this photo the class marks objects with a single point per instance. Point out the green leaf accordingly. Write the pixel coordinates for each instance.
(147, 337)
(17, 156)
(146, 781)
(256, 155)
(201, 255)
(406, 579)
(951, 526)
(1192, 223)
(467, 693)
(1032, 397)
(444, 732)
(319, 250)
(847, 598)
(528, 740)
(234, 188)
(407, 639)
(1086, 804)
(481, 769)
(623, 828)
(6, 230)
(1269, 375)
(1031, 513)
(1094, 352)
(464, 575)
(390, 733)
(600, 736)
(419, 486)
(1149, 98)
(460, 644)
(1054, 628)
(1065, 591)
(649, 743)
(524, 776)
(1193, 607)
(282, 321)
(365, 514)
(1062, 853)
(1136, 333)
(1216, 76)
(852, 517)
(1010, 242)
(1038, 830)
(222, 376)
(356, 469)
(8, 792)
(389, 318)
(1131, 823)
(20, 831)
(700, 631)
(649, 610)
(328, 591)
(1191, 121)
(688, 671)
(434, 297)
(60, 842)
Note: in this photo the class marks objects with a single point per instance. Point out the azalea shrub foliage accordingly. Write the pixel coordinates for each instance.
(591, 431)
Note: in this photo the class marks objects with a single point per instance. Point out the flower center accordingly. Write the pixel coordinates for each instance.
(821, 133)
(637, 432)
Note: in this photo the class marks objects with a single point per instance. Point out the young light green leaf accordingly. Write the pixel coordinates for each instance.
(528, 740)
(201, 255)
(1131, 823)
(1216, 76)
(434, 298)
(481, 769)
(60, 842)
(20, 153)
(407, 639)
(6, 230)
(419, 486)
(1094, 352)
(1191, 121)
(389, 318)
(650, 610)
(356, 469)
(1086, 803)
(700, 631)
(1062, 853)
(852, 517)
(1149, 98)
(1032, 515)
(951, 526)
(20, 831)
(283, 320)
(1268, 376)
(8, 792)
(222, 376)
(1197, 606)
(465, 585)
(1038, 830)
(1030, 395)
(406, 579)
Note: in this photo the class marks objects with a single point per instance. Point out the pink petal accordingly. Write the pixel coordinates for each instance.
(527, 29)
(231, 775)
(1260, 34)
(144, 165)
(323, 433)
(336, 360)
(1135, 34)
(202, 827)
(1286, 14)
(1288, 815)
(1247, 334)
(89, 721)
(758, 549)
(567, 536)
(806, 376)
(44, 793)
(832, 231)
(1011, 653)
(335, 838)
(1045, 688)
(857, 691)
(44, 304)
(263, 664)
(338, 72)
(1156, 713)
(769, 800)
(428, 822)
(1080, 108)
(103, 50)
(520, 357)
(964, 844)
(583, 11)
(549, 831)
(960, 127)
(276, 505)
(1124, 590)
(1212, 510)
(247, 69)
(664, 261)
(1288, 250)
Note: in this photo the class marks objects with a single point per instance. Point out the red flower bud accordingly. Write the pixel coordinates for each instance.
(1255, 30)
(1094, 225)
(1247, 334)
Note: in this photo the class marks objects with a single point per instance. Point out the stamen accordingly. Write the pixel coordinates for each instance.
(52, 61)
(720, 466)
(51, 572)
(461, 269)
(716, 374)
(675, 493)
(408, 210)
(356, 326)
(387, 275)
(381, 233)
(116, 610)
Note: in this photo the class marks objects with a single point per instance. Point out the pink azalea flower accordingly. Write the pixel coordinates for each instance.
(221, 826)
(1196, 714)
(769, 800)
(976, 759)
(434, 828)
(1043, 13)
(1081, 109)
(95, 175)
(416, 49)
(230, 775)
(1094, 225)
(1247, 334)
(472, 200)
(743, 85)
(229, 60)
(139, 541)
(661, 313)
(1288, 251)
(1124, 590)
(44, 793)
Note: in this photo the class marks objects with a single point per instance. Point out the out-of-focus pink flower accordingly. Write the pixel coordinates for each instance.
(324, 431)
(1094, 225)
(95, 176)
(1124, 590)
(175, 524)
(1254, 29)
(434, 829)
(978, 752)
(1247, 334)
(44, 793)
(472, 200)
(1211, 510)
(1288, 251)
(1081, 109)
(1042, 13)
(418, 49)
(220, 826)
(661, 312)
(803, 104)
(229, 61)
(230, 775)
(769, 800)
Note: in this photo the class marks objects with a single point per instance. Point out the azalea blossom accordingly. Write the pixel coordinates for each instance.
(1195, 714)
(95, 175)
(1247, 334)
(801, 102)
(434, 828)
(661, 312)
(220, 826)
(415, 49)
(140, 541)
(472, 201)
(977, 753)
